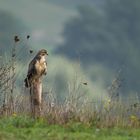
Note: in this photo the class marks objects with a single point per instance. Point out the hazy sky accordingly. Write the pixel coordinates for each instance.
(44, 19)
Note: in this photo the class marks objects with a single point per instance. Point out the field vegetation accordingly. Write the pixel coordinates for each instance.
(77, 116)
(91, 90)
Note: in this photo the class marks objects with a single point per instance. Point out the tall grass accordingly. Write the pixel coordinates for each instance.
(112, 111)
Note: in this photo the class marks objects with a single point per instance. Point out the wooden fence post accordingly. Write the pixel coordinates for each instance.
(36, 97)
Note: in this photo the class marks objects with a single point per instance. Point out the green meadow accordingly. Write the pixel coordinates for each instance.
(25, 128)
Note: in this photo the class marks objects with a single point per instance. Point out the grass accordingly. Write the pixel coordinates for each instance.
(76, 117)
(23, 127)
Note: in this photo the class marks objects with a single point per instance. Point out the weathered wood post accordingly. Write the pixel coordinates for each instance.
(36, 97)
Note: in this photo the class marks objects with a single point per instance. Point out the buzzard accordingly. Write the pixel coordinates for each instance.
(37, 68)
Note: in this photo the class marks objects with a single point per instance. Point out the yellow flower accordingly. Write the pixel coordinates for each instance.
(109, 101)
(107, 105)
(133, 118)
(14, 114)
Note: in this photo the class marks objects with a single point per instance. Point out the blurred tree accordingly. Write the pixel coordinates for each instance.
(109, 35)
(72, 3)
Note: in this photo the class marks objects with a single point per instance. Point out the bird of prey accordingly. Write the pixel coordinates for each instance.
(37, 68)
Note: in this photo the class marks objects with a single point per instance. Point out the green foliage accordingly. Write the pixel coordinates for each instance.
(72, 131)
(109, 36)
(21, 121)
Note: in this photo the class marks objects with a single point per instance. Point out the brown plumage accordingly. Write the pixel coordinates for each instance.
(37, 68)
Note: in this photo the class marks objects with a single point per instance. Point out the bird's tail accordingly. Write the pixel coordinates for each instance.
(27, 83)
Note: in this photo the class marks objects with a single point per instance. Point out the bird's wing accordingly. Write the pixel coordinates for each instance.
(31, 68)
(30, 74)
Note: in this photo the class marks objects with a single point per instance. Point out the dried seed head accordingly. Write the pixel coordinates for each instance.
(28, 36)
(85, 83)
(31, 51)
(16, 39)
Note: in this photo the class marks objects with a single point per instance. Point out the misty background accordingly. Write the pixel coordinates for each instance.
(89, 41)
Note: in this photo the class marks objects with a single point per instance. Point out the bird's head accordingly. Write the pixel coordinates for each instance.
(43, 52)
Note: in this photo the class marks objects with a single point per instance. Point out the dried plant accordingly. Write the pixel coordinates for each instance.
(77, 106)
